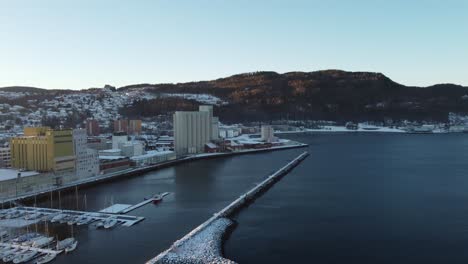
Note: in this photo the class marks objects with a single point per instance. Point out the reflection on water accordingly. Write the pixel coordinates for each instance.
(359, 198)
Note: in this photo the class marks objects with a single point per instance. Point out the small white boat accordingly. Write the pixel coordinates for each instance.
(25, 257)
(65, 219)
(71, 247)
(84, 221)
(57, 218)
(3, 233)
(25, 237)
(32, 216)
(61, 245)
(11, 256)
(43, 242)
(46, 258)
(110, 223)
(9, 252)
(31, 241)
(99, 224)
(73, 220)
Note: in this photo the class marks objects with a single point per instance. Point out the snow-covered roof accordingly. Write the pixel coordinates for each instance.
(152, 153)
(8, 174)
(103, 157)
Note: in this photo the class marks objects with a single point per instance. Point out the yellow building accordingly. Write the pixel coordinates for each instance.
(43, 149)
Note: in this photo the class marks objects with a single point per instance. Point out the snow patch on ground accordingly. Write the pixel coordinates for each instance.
(205, 247)
(327, 129)
(202, 98)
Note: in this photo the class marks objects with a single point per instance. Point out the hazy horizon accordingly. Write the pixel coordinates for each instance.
(77, 45)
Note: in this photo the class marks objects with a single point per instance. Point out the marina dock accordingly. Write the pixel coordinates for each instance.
(48, 213)
(145, 202)
(35, 249)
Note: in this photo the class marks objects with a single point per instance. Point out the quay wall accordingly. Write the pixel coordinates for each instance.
(44, 189)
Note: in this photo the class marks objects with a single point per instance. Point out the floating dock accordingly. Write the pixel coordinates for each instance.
(49, 213)
(35, 249)
(228, 211)
(145, 202)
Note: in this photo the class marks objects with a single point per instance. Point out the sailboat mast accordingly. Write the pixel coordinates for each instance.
(60, 201)
(76, 194)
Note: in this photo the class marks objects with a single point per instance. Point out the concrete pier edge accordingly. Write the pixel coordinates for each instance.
(135, 172)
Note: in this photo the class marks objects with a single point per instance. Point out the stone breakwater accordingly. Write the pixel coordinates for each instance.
(204, 243)
(205, 247)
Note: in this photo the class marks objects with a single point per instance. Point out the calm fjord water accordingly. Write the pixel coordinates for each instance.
(359, 198)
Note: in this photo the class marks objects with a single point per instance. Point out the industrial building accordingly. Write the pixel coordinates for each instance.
(268, 134)
(43, 149)
(5, 158)
(86, 159)
(192, 130)
(153, 157)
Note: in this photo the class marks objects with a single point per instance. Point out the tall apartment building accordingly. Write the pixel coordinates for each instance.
(92, 127)
(131, 127)
(134, 127)
(86, 159)
(43, 149)
(5, 158)
(192, 130)
(121, 125)
(268, 134)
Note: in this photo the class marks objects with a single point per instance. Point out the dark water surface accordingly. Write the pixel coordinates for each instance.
(359, 198)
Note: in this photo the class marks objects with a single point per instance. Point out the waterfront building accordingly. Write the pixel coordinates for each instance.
(14, 183)
(120, 126)
(214, 134)
(215, 128)
(229, 131)
(43, 149)
(192, 130)
(92, 127)
(5, 158)
(134, 127)
(110, 152)
(153, 157)
(119, 138)
(108, 164)
(99, 143)
(86, 159)
(268, 134)
(130, 149)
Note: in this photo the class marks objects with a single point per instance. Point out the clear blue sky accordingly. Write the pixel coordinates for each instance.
(88, 43)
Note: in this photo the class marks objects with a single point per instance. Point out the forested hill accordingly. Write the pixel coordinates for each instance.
(327, 95)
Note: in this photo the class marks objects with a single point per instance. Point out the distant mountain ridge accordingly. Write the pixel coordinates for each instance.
(23, 89)
(325, 95)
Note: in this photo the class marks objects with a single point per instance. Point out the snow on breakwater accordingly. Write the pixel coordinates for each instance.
(205, 247)
(204, 243)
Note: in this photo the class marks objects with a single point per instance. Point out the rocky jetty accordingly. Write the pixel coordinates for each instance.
(205, 247)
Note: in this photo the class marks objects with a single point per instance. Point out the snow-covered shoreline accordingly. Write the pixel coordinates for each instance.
(330, 129)
(204, 247)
